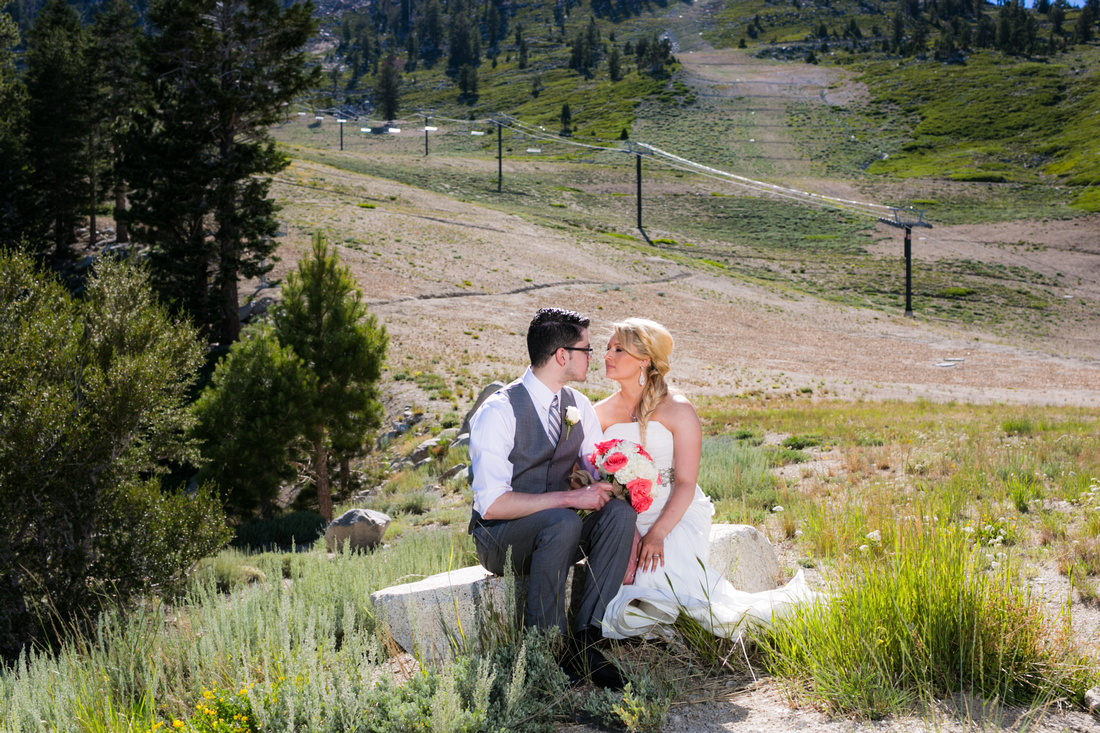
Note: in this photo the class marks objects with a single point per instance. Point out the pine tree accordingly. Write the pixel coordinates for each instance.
(387, 89)
(566, 117)
(221, 73)
(59, 107)
(468, 81)
(17, 218)
(324, 322)
(614, 64)
(1082, 29)
(115, 38)
(431, 32)
(249, 419)
(461, 44)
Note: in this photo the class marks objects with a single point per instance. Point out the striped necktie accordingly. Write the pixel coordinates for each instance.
(553, 422)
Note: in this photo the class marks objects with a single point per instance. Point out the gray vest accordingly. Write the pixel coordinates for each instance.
(537, 465)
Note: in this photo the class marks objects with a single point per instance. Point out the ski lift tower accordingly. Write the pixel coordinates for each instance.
(638, 150)
(427, 115)
(500, 120)
(907, 219)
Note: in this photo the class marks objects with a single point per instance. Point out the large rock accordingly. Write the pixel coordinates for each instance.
(744, 556)
(425, 448)
(433, 617)
(486, 391)
(359, 529)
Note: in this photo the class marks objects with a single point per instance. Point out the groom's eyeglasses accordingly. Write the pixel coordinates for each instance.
(586, 349)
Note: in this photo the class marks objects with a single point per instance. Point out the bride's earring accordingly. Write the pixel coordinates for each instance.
(641, 376)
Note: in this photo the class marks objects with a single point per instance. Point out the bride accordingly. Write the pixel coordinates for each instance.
(671, 575)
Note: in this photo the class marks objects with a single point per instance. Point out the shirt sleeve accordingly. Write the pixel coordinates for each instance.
(593, 433)
(492, 437)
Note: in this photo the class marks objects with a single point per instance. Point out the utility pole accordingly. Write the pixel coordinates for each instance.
(904, 219)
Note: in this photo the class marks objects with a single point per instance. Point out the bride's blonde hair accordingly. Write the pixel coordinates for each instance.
(645, 339)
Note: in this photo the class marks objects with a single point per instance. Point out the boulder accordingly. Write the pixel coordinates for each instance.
(486, 391)
(439, 615)
(433, 617)
(744, 556)
(453, 471)
(1092, 700)
(359, 529)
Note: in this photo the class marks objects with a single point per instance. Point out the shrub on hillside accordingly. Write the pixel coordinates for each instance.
(91, 411)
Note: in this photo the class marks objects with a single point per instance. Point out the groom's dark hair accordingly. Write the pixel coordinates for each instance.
(550, 330)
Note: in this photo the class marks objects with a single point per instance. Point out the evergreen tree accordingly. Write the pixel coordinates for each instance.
(1082, 29)
(566, 117)
(58, 77)
(461, 50)
(324, 322)
(221, 72)
(1057, 17)
(387, 89)
(431, 32)
(614, 64)
(412, 49)
(17, 219)
(467, 80)
(493, 26)
(115, 38)
(523, 53)
(250, 418)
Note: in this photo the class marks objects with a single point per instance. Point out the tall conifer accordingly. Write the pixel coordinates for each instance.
(221, 72)
(324, 322)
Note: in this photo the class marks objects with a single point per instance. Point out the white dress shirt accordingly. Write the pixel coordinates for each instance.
(493, 435)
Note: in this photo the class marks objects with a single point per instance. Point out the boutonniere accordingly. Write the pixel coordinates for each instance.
(572, 417)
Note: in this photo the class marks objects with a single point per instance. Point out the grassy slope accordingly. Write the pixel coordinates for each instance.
(994, 118)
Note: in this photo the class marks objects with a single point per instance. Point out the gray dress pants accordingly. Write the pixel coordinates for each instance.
(545, 544)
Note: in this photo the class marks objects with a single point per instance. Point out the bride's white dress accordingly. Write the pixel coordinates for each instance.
(685, 584)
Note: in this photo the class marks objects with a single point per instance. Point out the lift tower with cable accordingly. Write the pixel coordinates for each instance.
(903, 219)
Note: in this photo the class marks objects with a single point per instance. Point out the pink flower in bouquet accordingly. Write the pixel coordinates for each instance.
(614, 461)
(630, 470)
(641, 497)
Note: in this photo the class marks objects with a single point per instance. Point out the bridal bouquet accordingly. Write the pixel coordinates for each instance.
(629, 469)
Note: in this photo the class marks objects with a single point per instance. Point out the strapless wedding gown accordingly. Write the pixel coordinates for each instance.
(685, 584)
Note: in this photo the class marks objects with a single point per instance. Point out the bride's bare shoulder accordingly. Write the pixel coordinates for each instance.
(676, 409)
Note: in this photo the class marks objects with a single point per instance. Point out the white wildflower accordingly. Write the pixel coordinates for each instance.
(874, 536)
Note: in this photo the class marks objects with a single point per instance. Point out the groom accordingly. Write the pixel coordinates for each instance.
(524, 442)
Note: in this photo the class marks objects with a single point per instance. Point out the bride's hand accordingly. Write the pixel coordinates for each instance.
(651, 554)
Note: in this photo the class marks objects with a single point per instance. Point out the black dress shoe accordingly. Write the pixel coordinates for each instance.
(604, 672)
(584, 660)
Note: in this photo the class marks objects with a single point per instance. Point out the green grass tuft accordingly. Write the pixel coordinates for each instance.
(929, 622)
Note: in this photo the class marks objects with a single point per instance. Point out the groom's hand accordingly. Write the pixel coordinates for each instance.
(592, 498)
